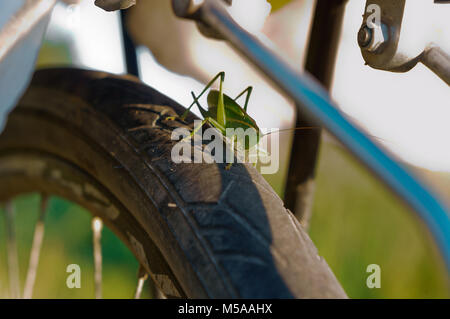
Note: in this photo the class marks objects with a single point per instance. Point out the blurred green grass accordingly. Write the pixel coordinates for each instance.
(357, 222)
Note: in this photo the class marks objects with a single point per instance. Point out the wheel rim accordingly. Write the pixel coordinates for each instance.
(22, 173)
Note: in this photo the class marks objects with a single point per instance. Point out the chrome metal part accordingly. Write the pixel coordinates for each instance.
(190, 9)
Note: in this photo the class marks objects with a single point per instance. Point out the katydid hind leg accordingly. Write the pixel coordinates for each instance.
(221, 75)
(197, 102)
(233, 145)
(221, 116)
(247, 98)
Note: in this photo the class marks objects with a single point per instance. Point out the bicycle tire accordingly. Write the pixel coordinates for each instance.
(201, 231)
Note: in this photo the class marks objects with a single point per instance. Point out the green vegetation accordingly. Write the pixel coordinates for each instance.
(356, 222)
(68, 240)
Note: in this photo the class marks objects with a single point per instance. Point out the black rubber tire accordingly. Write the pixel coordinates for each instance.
(200, 230)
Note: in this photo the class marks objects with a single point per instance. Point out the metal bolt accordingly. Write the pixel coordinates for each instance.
(364, 36)
(372, 39)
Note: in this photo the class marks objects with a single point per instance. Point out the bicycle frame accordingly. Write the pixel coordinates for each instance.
(314, 100)
(22, 27)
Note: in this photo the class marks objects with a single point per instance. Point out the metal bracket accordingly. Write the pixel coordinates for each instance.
(396, 42)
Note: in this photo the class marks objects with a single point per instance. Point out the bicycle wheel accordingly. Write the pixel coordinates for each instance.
(199, 230)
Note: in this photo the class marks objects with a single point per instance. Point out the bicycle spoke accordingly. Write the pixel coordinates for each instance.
(35, 249)
(11, 243)
(97, 226)
(142, 277)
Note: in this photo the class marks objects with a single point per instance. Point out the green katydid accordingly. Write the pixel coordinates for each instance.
(224, 113)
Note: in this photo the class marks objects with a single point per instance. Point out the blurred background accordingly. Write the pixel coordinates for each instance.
(355, 221)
